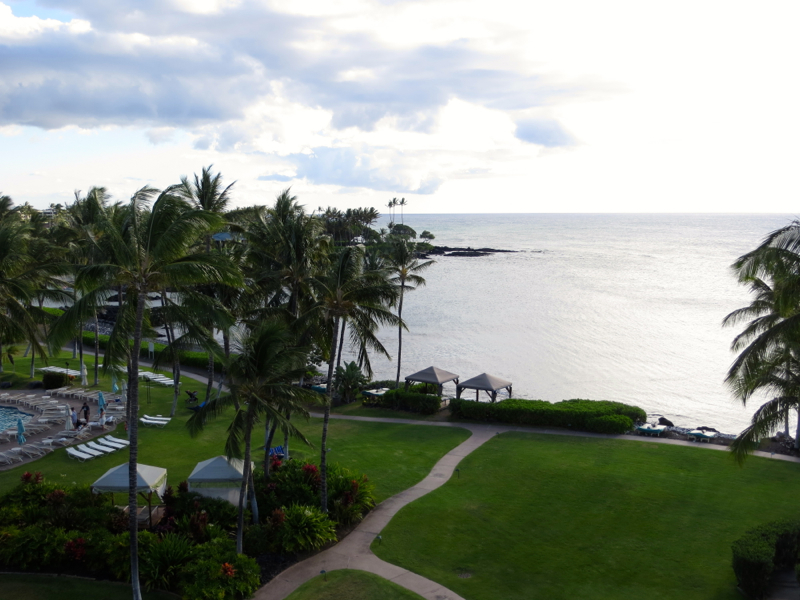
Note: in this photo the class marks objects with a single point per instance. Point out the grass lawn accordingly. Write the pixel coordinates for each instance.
(352, 585)
(543, 516)
(356, 409)
(43, 587)
(393, 456)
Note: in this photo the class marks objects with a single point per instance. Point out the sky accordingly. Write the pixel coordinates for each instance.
(457, 106)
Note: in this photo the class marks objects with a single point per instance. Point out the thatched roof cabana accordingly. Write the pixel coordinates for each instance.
(432, 375)
(488, 383)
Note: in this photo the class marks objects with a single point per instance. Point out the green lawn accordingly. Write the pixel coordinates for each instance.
(351, 585)
(43, 587)
(538, 516)
(393, 456)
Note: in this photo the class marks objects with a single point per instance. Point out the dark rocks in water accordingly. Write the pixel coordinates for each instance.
(704, 428)
(469, 251)
(664, 421)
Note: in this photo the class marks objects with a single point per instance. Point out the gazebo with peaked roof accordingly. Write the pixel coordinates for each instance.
(433, 375)
(488, 383)
(218, 477)
(149, 481)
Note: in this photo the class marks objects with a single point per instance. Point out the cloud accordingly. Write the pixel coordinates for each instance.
(543, 132)
(377, 169)
(160, 135)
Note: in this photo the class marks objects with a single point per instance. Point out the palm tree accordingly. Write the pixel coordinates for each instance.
(206, 193)
(405, 267)
(146, 250)
(260, 376)
(347, 291)
(769, 345)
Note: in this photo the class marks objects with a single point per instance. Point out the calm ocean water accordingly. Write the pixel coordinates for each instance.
(612, 307)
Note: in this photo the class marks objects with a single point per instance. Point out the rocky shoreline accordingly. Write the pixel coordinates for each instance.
(468, 251)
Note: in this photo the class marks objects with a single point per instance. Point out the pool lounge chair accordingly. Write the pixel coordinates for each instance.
(699, 435)
(100, 447)
(9, 458)
(150, 423)
(157, 418)
(81, 456)
(111, 438)
(277, 451)
(107, 444)
(86, 450)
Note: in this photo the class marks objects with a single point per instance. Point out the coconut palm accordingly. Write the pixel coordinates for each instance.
(146, 250)
(347, 291)
(405, 267)
(260, 377)
(769, 345)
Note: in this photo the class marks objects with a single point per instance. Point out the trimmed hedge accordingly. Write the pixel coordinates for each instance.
(600, 416)
(425, 404)
(760, 551)
(52, 381)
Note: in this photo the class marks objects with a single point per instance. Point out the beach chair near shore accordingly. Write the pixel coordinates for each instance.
(648, 429)
(699, 435)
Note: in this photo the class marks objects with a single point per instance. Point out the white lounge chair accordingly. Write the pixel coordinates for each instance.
(157, 418)
(107, 444)
(83, 448)
(81, 456)
(150, 423)
(111, 438)
(100, 447)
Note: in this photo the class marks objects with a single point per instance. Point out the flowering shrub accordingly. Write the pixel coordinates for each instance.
(32, 478)
(75, 550)
(305, 528)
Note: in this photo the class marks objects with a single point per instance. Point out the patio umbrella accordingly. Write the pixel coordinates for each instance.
(101, 401)
(68, 424)
(114, 386)
(20, 432)
(84, 374)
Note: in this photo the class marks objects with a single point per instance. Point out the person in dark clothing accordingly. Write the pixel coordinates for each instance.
(85, 411)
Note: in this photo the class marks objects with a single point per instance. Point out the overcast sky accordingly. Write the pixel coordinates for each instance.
(458, 106)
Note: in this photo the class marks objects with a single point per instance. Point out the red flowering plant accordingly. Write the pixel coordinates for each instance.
(228, 570)
(275, 463)
(75, 550)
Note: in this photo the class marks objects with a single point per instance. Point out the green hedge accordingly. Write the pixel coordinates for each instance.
(600, 416)
(52, 381)
(197, 360)
(760, 551)
(425, 404)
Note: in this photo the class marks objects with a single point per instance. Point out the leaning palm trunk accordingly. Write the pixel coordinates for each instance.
(268, 445)
(133, 431)
(323, 461)
(797, 433)
(210, 385)
(96, 348)
(243, 492)
(399, 333)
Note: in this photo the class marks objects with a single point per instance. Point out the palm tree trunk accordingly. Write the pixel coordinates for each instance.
(323, 461)
(399, 334)
(243, 491)
(252, 497)
(341, 343)
(80, 348)
(210, 385)
(176, 366)
(286, 436)
(96, 348)
(270, 437)
(1, 358)
(133, 432)
(33, 359)
(797, 433)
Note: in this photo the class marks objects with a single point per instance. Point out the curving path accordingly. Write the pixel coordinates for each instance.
(353, 552)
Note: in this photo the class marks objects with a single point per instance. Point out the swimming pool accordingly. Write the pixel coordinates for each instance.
(9, 416)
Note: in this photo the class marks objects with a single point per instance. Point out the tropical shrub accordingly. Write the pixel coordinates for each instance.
(52, 381)
(161, 566)
(305, 528)
(572, 414)
(760, 551)
(426, 404)
(348, 382)
(218, 573)
(350, 496)
(261, 539)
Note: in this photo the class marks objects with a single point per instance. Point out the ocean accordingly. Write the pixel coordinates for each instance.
(624, 307)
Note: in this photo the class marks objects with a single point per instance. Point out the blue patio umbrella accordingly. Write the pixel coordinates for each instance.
(101, 402)
(20, 432)
(114, 386)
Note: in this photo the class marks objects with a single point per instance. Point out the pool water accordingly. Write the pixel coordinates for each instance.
(9, 417)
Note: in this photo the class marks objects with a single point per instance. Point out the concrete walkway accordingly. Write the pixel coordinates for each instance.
(353, 552)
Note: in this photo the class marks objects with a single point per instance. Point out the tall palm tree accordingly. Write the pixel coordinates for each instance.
(146, 250)
(405, 268)
(347, 291)
(769, 345)
(260, 376)
(207, 193)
